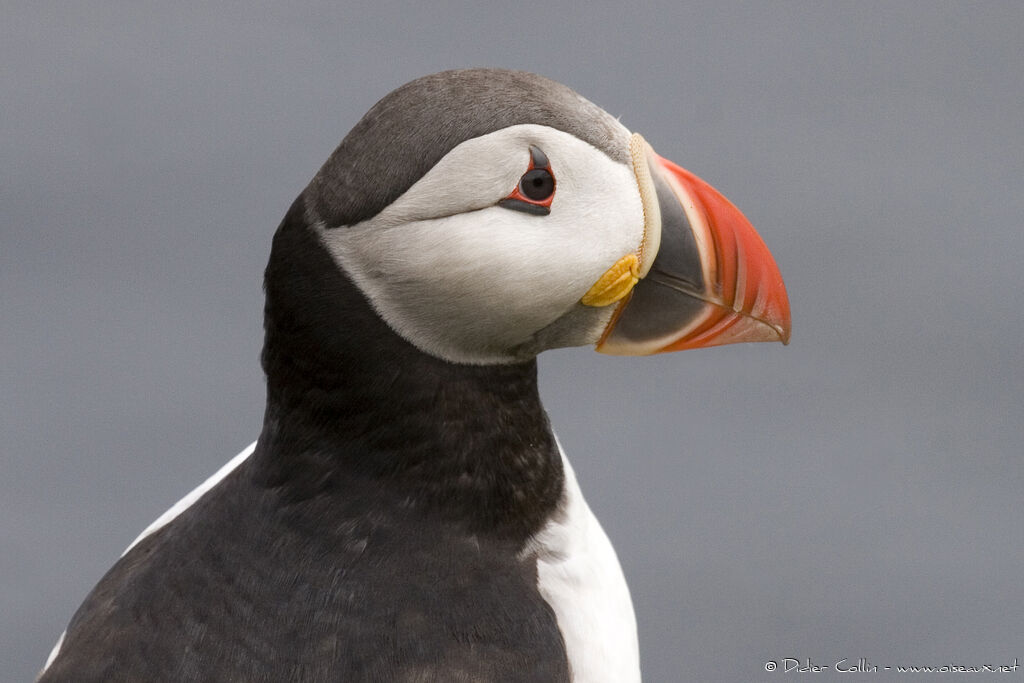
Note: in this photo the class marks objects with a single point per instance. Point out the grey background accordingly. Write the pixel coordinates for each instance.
(856, 494)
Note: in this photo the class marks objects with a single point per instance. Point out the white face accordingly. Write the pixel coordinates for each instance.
(469, 281)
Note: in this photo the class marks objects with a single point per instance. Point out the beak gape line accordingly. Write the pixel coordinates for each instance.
(701, 277)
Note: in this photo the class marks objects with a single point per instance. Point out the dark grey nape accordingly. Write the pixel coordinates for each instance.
(413, 127)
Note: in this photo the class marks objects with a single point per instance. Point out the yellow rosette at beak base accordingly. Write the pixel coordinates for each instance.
(615, 284)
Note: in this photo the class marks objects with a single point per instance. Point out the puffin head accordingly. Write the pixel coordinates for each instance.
(486, 215)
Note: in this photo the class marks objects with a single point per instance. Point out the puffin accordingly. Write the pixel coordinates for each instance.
(407, 513)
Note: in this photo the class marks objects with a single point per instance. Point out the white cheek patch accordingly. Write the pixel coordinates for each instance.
(470, 281)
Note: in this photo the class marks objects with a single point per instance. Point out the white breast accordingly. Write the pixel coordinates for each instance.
(580, 578)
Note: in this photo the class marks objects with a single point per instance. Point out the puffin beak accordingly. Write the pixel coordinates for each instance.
(703, 276)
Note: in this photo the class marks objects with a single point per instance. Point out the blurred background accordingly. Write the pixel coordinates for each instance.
(855, 494)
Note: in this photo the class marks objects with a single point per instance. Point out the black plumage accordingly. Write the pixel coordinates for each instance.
(376, 534)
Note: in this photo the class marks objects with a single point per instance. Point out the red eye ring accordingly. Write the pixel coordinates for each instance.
(538, 181)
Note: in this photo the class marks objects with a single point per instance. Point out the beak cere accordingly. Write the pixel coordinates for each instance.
(705, 276)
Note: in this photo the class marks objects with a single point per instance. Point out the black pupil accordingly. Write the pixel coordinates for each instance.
(537, 184)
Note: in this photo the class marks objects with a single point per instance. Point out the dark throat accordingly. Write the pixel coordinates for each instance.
(350, 404)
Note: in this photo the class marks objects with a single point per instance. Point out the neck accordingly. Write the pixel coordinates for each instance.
(347, 399)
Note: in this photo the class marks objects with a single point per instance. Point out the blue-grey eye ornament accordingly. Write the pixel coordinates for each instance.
(536, 188)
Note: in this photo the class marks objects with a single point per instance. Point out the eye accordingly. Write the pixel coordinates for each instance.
(537, 184)
(536, 188)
